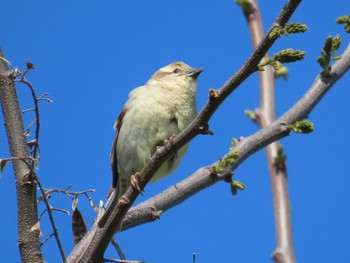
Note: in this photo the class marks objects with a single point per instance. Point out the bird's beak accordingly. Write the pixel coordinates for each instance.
(194, 73)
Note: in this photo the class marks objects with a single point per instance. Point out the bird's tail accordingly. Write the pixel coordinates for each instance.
(111, 202)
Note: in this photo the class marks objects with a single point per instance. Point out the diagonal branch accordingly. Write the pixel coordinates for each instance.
(203, 177)
(92, 247)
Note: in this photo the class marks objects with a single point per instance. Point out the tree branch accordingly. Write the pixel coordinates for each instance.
(204, 177)
(92, 247)
(284, 252)
(28, 238)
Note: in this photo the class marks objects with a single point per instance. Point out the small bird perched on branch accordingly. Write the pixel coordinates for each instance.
(165, 106)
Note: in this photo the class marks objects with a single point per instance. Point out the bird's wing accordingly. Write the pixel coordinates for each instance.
(113, 156)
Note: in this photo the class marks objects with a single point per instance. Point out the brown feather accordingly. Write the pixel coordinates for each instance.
(113, 156)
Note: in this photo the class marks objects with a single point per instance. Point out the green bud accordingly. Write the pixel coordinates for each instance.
(302, 126)
(236, 185)
(251, 115)
(294, 28)
(246, 5)
(344, 20)
(331, 45)
(276, 33)
(289, 55)
(233, 143)
(288, 29)
(239, 185)
(228, 160)
(280, 70)
(284, 56)
(335, 44)
(280, 159)
(158, 213)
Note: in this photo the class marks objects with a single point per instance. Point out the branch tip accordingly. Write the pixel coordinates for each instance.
(3, 163)
(29, 65)
(236, 186)
(213, 94)
(204, 129)
(252, 115)
(290, 28)
(246, 5)
(331, 45)
(284, 56)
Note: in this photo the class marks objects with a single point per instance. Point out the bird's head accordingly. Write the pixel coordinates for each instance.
(175, 76)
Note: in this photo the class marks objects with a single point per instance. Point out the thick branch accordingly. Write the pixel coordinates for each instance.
(28, 239)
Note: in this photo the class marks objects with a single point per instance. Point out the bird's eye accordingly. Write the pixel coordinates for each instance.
(177, 70)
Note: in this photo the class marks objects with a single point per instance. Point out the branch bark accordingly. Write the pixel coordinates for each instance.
(28, 229)
(284, 252)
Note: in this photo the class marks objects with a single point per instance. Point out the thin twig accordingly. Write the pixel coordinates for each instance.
(93, 205)
(27, 110)
(49, 212)
(27, 132)
(60, 210)
(118, 248)
(36, 148)
(47, 239)
(71, 194)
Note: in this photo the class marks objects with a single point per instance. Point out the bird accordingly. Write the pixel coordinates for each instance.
(153, 114)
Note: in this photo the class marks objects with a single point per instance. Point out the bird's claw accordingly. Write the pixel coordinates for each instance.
(135, 182)
(170, 140)
(122, 201)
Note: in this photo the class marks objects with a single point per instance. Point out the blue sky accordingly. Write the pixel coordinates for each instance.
(89, 55)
